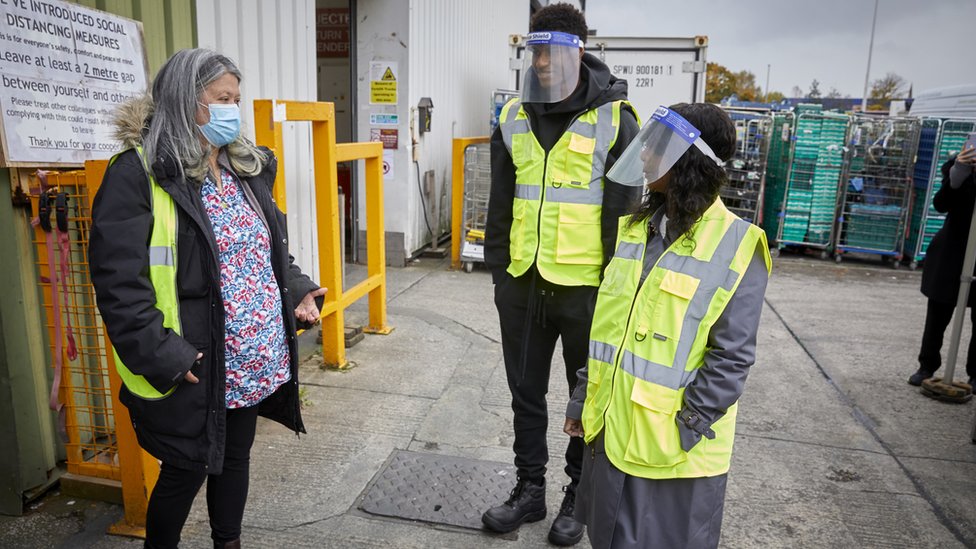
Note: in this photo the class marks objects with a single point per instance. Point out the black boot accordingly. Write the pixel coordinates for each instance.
(918, 377)
(526, 503)
(566, 530)
(236, 544)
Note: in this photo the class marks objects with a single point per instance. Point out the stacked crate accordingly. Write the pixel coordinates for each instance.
(940, 140)
(924, 222)
(777, 172)
(799, 192)
(880, 161)
(743, 193)
(826, 178)
(811, 194)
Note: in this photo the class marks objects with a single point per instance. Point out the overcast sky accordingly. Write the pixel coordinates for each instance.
(930, 43)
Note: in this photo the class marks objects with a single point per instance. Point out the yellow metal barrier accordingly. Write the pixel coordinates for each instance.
(457, 194)
(101, 442)
(268, 118)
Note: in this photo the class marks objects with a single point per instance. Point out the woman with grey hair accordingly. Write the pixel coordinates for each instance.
(189, 258)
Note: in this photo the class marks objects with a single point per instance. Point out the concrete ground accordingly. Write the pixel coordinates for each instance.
(833, 448)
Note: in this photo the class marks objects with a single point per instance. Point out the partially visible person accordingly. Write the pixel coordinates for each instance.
(189, 258)
(673, 338)
(943, 265)
(552, 220)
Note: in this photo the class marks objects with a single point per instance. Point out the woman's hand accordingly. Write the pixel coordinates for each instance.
(189, 377)
(573, 427)
(307, 310)
(967, 157)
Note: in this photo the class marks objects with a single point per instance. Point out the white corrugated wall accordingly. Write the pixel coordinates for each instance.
(273, 43)
(458, 54)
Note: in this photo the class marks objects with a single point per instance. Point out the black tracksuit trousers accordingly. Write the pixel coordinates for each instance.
(533, 314)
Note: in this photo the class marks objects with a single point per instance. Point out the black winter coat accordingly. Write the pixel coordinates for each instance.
(187, 428)
(944, 257)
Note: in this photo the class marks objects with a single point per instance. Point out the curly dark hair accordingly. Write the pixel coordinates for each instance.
(695, 178)
(560, 18)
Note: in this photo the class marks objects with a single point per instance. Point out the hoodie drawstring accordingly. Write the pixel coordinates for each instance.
(535, 311)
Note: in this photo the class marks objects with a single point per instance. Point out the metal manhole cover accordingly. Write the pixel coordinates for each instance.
(437, 488)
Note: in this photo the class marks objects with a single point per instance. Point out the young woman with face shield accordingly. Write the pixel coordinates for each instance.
(672, 340)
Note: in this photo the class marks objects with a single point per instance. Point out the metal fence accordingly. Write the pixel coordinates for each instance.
(66, 286)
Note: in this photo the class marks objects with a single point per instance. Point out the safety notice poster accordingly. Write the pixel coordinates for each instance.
(64, 69)
(383, 83)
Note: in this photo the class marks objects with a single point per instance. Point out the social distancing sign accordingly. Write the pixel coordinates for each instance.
(64, 69)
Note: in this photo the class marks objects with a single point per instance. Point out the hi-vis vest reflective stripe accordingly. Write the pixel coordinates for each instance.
(648, 340)
(162, 274)
(558, 202)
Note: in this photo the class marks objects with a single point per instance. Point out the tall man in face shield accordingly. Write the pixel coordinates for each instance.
(551, 227)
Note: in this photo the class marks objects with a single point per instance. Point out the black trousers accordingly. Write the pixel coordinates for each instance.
(533, 315)
(171, 499)
(937, 319)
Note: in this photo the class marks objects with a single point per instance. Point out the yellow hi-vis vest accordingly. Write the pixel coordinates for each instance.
(648, 340)
(162, 275)
(558, 202)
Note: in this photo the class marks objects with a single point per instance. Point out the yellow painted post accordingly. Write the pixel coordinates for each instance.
(267, 132)
(327, 220)
(139, 470)
(459, 145)
(376, 241)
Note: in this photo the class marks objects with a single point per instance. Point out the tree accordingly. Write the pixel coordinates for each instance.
(719, 83)
(797, 91)
(746, 87)
(890, 86)
(722, 83)
(814, 92)
(833, 93)
(774, 97)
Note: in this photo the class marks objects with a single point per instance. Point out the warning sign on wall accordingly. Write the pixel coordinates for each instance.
(389, 137)
(383, 83)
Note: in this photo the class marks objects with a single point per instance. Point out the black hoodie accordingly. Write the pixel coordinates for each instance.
(549, 122)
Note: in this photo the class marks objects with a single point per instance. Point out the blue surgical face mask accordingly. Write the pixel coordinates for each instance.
(224, 125)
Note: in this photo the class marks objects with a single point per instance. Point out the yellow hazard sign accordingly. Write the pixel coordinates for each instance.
(383, 82)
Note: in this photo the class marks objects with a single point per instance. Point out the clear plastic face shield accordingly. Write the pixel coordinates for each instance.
(550, 66)
(657, 147)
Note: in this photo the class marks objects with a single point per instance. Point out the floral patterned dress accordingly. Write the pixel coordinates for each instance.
(255, 349)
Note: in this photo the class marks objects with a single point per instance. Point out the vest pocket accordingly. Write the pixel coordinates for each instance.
(654, 440)
(578, 235)
(677, 291)
(517, 234)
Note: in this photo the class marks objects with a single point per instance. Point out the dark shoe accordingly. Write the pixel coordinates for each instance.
(236, 544)
(526, 503)
(918, 377)
(566, 530)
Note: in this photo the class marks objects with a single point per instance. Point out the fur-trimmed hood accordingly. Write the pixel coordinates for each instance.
(132, 119)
